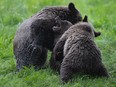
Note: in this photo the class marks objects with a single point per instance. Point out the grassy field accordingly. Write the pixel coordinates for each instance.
(102, 14)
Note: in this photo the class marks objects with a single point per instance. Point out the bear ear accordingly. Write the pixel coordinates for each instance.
(97, 34)
(85, 19)
(71, 6)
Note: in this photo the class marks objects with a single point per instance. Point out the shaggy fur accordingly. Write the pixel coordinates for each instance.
(35, 35)
(57, 57)
(80, 53)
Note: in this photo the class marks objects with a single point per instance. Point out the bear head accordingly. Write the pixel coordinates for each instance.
(70, 14)
(60, 27)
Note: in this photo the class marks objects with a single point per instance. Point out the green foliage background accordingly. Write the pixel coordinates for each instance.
(101, 13)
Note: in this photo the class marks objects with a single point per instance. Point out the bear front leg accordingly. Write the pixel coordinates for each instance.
(57, 55)
(55, 65)
(58, 49)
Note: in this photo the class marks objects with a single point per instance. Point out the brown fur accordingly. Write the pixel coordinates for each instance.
(35, 35)
(80, 52)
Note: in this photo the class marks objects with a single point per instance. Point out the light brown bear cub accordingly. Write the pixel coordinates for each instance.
(60, 27)
(80, 53)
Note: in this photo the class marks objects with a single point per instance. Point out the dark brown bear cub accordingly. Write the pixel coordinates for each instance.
(80, 52)
(35, 35)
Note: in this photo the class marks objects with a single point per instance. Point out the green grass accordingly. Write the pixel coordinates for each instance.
(101, 14)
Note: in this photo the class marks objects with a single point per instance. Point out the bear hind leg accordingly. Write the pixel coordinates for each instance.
(99, 71)
(65, 74)
(38, 55)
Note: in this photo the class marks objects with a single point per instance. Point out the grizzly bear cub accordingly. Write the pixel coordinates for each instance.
(80, 53)
(60, 27)
(35, 35)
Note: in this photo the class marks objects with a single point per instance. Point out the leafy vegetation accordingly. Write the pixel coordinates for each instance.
(101, 14)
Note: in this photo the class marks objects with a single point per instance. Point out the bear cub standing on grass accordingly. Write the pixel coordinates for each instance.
(60, 28)
(35, 35)
(80, 53)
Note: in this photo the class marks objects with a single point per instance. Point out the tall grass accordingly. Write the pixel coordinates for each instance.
(101, 14)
